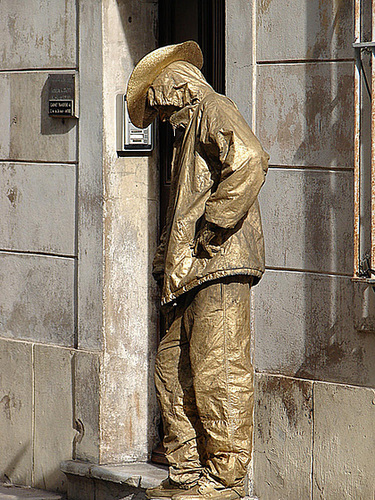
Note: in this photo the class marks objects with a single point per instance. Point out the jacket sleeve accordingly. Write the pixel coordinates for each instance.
(243, 166)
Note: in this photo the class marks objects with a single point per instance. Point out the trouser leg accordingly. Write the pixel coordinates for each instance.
(219, 334)
(204, 377)
(174, 387)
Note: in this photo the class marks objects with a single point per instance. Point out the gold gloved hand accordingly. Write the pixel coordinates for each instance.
(204, 243)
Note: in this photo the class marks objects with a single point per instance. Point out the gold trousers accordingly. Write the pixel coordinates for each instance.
(204, 383)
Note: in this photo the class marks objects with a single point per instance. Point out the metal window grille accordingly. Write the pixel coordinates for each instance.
(364, 146)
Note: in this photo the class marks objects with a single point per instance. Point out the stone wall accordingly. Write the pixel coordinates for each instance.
(38, 253)
(131, 195)
(78, 322)
(315, 412)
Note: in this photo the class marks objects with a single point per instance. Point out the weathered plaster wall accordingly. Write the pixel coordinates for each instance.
(77, 234)
(128, 407)
(89, 225)
(239, 60)
(314, 328)
(36, 413)
(50, 192)
(38, 179)
(78, 230)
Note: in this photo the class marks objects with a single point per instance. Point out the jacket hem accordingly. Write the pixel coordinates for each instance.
(210, 277)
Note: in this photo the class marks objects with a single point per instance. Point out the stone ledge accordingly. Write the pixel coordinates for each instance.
(113, 482)
(136, 475)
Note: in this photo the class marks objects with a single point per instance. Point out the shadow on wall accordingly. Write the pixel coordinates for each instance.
(8, 474)
(55, 480)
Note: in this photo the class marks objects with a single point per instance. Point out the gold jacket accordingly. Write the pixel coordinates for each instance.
(218, 168)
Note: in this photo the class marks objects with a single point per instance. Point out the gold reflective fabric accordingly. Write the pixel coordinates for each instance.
(204, 382)
(218, 169)
(211, 251)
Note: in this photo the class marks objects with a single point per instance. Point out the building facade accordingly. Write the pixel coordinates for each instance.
(80, 223)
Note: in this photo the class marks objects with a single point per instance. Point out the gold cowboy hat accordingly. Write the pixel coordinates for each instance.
(148, 69)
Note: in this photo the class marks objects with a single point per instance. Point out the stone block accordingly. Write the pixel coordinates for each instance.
(16, 411)
(26, 131)
(90, 184)
(282, 438)
(105, 490)
(111, 482)
(135, 40)
(37, 203)
(130, 308)
(54, 431)
(133, 179)
(135, 475)
(130, 239)
(129, 428)
(304, 30)
(130, 244)
(280, 322)
(80, 488)
(308, 220)
(305, 114)
(344, 442)
(39, 300)
(87, 405)
(306, 326)
(37, 34)
(75, 468)
(239, 47)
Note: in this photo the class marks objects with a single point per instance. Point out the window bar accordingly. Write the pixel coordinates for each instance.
(371, 46)
(357, 139)
(364, 236)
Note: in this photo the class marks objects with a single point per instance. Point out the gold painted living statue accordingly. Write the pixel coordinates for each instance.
(211, 253)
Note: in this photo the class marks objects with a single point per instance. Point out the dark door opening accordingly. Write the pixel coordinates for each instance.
(204, 22)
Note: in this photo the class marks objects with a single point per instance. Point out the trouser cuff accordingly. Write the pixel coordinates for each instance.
(184, 480)
(221, 484)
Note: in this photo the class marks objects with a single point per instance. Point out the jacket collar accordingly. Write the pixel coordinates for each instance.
(182, 117)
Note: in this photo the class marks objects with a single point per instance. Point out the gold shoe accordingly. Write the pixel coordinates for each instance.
(166, 489)
(211, 491)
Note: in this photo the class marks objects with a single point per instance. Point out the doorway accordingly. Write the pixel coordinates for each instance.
(179, 21)
(204, 22)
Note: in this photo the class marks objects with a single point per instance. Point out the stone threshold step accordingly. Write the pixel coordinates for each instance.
(137, 474)
(112, 482)
(10, 492)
